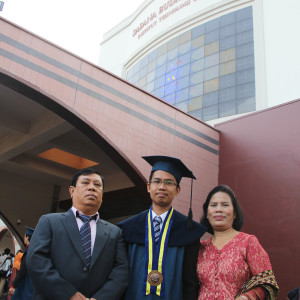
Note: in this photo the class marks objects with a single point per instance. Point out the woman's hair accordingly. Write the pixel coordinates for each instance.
(239, 219)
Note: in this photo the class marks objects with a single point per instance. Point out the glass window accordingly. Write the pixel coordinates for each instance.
(198, 42)
(211, 36)
(227, 94)
(197, 113)
(185, 58)
(245, 76)
(170, 98)
(184, 48)
(184, 70)
(182, 106)
(228, 67)
(152, 55)
(244, 25)
(182, 95)
(245, 105)
(185, 37)
(210, 98)
(151, 66)
(246, 90)
(196, 78)
(173, 43)
(196, 90)
(136, 67)
(212, 72)
(172, 54)
(161, 59)
(226, 31)
(144, 62)
(160, 71)
(129, 73)
(171, 65)
(143, 71)
(227, 55)
(183, 82)
(227, 80)
(150, 76)
(227, 43)
(195, 104)
(211, 85)
(244, 37)
(212, 25)
(159, 92)
(142, 82)
(197, 31)
(227, 109)
(150, 86)
(159, 82)
(197, 53)
(211, 60)
(244, 13)
(244, 63)
(212, 48)
(162, 49)
(210, 112)
(197, 65)
(245, 50)
(227, 19)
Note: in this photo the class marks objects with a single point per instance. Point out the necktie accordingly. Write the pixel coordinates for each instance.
(85, 233)
(157, 221)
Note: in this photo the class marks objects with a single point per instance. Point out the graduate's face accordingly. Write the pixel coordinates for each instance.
(87, 194)
(220, 212)
(161, 194)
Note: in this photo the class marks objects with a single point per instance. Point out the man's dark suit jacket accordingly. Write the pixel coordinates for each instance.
(56, 263)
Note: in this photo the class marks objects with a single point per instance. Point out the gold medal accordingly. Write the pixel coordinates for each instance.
(155, 278)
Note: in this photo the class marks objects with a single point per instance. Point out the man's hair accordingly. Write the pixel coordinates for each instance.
(239, 219)
(28, 236)
(6, 251)
(86, 171)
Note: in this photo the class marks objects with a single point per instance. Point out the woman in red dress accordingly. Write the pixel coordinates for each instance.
(231, 264)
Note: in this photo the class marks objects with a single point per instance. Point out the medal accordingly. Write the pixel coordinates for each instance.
(155, 255)
(155, 278)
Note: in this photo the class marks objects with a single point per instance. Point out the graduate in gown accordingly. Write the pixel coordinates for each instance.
(163, 244)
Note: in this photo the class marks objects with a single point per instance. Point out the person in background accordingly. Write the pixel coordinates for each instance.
(15, 269)
(162, 243)
(231, 264)
(5, 264)
(294, 294)
(22, 287)
(75, 254)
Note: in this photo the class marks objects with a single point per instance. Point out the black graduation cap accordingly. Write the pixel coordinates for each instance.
(169, 164)
(29, 231)
(175, 167)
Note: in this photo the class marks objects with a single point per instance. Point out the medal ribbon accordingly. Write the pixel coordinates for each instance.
(156, 253)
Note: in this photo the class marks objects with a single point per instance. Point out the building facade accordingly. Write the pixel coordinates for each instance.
(212, 59)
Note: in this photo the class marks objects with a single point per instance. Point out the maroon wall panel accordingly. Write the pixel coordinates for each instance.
(260, 161)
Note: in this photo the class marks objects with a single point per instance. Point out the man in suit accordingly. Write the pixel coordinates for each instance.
(78, 257)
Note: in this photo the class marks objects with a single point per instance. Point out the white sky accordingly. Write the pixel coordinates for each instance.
(77, 26)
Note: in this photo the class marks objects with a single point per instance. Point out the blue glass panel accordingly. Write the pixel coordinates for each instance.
(244, 37)
(197, 53)
(244, 63)
(211, 60)
(152, 55)
(246, 90)
(227, 19)
(244, 25)
(210, 99)
(161, 59)
(227, 81)
(227, 109)
(211, 36)
(182, 95)
(196, 78)
(184, 48)
(197, 31)
(227, 43)
(227, 94)
(197, 65)
(210, 112)
(244, 13)
(245, 50)
(212, 25)
(246, 105)
(227, 31)
(196, 113)
(245, 76)
(212, 72)
(196, 90)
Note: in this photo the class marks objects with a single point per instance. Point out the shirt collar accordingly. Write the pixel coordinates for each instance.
(163, 216)
(75, 210)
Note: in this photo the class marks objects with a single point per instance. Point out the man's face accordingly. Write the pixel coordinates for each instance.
(87, 194)
(161, 194)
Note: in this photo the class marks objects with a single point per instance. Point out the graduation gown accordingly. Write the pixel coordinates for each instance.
(180, 277)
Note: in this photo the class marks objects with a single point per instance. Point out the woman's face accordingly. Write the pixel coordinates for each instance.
(220, 212)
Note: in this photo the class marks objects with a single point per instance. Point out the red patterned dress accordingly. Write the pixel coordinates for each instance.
(222, 273)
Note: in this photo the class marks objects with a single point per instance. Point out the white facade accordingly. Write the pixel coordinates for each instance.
(275, 35)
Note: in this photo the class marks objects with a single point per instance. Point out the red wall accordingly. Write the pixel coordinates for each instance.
(260, 161)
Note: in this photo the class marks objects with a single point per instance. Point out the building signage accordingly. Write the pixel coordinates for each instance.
(164, 11)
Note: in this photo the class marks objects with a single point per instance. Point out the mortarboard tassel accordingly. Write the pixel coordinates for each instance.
(190, 214)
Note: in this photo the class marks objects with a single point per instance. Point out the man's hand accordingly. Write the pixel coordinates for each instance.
(78, 296)
(11, 291)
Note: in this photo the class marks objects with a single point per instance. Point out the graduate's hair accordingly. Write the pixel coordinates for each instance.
(239, 219)
(86, 171)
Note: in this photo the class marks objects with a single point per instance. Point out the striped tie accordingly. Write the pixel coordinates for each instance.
(157, 221)
(85, 233)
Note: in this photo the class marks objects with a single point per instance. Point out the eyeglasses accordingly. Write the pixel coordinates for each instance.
(166, 182)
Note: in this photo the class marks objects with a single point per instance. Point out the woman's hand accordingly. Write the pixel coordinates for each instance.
(11, 291)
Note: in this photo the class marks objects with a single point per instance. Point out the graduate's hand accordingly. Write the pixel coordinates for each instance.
(78, 296)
